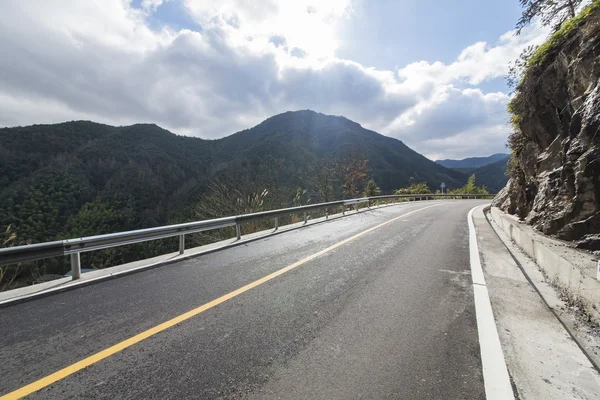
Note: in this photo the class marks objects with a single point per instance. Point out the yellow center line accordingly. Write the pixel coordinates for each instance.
(101, 355)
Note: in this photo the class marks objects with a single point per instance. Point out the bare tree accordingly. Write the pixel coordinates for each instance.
(355, 174)
(8, 273)
(321, 180)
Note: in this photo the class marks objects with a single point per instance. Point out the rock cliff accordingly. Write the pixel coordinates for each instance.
(555, 161)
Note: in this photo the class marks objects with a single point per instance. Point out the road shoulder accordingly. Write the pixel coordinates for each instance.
(543, 360)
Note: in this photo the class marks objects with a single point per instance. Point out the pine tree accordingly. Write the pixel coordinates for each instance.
(551, 12)
(371, 189)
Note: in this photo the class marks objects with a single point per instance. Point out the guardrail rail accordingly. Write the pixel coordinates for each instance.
(74, 247)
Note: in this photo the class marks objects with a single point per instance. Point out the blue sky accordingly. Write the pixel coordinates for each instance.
(172, 14)
(405, 31)
(426, 72)
(430, 30)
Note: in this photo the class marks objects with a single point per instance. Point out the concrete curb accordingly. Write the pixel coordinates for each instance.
(578, 282)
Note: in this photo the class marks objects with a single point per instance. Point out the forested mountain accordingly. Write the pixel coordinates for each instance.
(492, 176)
(301, 138)
(490, 171)
(83, 178)
(52, 176)
(48, 173)
(472, 162)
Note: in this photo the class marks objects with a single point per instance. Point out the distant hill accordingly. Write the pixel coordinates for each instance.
(79, 178)
(492, 176)
(489, 171)
(472, 162)
(303, 137)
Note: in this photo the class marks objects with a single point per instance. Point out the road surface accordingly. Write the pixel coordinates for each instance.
(377, 305)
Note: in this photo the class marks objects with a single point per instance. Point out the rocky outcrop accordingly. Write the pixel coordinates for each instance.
(555, 162)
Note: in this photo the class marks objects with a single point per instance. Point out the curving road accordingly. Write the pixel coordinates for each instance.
(377, 305)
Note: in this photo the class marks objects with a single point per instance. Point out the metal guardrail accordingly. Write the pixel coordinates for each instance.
(74, 247)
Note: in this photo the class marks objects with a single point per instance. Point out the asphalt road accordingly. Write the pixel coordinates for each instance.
(387, 315)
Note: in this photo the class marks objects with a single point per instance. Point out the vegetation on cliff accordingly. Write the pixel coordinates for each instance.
(555, 146)
(550, 12)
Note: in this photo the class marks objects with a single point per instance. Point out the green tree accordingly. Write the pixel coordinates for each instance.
(550, 12)
(371, 189)
(98, 218)
(95, 219)
(415, 188)
(470, 188)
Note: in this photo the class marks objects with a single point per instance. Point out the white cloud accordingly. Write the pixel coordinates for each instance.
(476, 63)
(467, 143)
(101, 61)
(457, 122)
(446, 115)
(150, 6)
(305, 24)
(448, 111)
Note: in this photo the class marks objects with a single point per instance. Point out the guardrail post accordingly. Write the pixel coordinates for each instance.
(181, 244)
(75, 266)
(343, 210)
(326, 214)
(305, 217)
(369, 204)
(238, 231)
(356, 206)
(276, 223)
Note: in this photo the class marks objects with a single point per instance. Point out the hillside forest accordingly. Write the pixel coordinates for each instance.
(81, 178)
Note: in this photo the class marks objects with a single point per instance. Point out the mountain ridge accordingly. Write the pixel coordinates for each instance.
(83, 178)
(149, 175)
(493, 176)
(472, 162)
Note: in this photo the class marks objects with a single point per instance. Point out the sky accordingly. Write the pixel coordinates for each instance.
(427, 72)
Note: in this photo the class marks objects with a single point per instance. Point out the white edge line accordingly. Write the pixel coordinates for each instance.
(495, 374)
